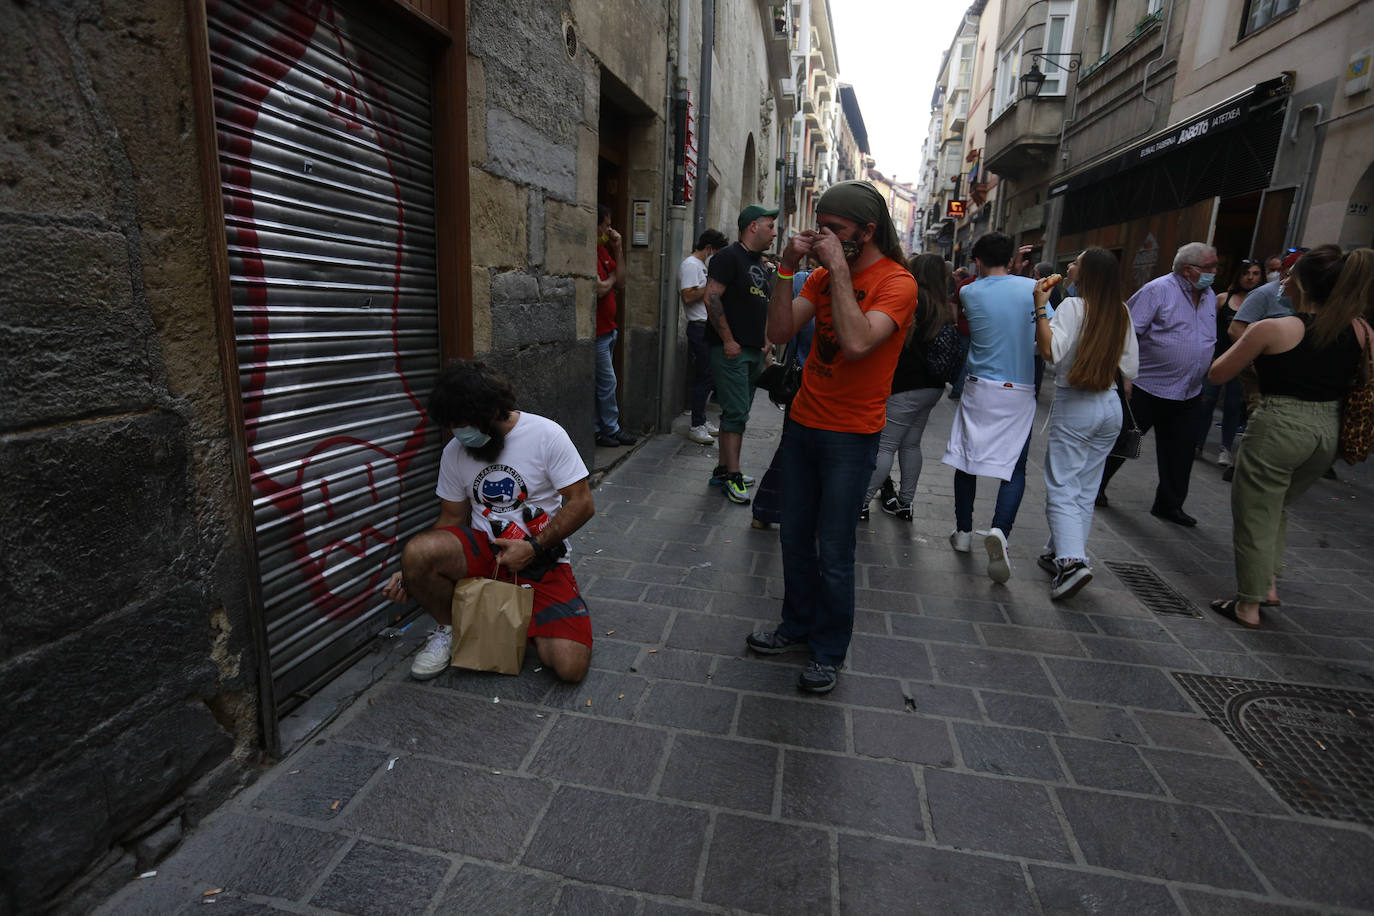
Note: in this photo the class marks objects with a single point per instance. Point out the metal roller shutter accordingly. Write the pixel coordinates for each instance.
(323, 121)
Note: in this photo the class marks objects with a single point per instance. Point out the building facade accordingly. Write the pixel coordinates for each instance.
(1138, 125)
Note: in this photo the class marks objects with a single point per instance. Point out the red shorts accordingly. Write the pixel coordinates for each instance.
(559, 611)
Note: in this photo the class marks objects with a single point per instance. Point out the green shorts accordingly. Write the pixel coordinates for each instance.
(734, 379)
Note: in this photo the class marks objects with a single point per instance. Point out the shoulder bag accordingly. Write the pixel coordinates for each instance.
(1357, 409)
(944, 354)
(1128, 442)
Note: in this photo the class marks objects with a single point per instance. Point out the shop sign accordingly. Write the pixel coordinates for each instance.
(955, 209)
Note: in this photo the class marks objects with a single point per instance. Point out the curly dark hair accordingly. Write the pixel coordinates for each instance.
(470, 393)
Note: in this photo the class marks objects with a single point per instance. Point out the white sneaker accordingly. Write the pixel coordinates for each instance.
(712, 428)
(700, 434)
(1224, 459)
(961, 541)
(434, 659)
(999, 564)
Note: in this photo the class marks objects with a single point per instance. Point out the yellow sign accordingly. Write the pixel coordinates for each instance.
(955, 208)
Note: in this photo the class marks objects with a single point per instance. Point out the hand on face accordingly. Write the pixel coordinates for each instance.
(829, 250)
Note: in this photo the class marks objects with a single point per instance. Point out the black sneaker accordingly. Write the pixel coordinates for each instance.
(608, 442)
(863, 513)
(771, 642)
(897, 509)
(1070, 579)
(736, 489)
(1046, 562)
(888, 491)
(818, 678)
(625, 438)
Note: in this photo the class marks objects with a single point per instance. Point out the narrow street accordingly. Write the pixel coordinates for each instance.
(986, 751)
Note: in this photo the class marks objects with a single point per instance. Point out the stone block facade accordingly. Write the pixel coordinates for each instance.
(125, 646)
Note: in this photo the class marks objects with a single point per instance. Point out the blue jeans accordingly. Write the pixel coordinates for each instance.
(1009, 495)
(823, 478)
(700, 352)
(1232, 397)
(607, 413)
(1083, 428)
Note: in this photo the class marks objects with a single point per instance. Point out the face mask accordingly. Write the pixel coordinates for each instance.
(852, 249)
(1272, 276)
(1204, 281)
(470, 436)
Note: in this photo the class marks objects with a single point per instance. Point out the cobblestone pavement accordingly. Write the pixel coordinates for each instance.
(987, 751)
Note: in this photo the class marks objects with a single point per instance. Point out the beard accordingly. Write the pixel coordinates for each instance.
(488, 453)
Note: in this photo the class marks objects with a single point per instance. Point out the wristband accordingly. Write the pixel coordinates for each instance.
(540, 551)
(786, 276)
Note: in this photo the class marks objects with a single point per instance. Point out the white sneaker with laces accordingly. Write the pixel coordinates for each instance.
(700, 434)
(999, 564)
(434, 659)
(712, 428)
(961, 541)
(1224, 458)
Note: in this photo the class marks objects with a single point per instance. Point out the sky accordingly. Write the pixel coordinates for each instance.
(889, 51)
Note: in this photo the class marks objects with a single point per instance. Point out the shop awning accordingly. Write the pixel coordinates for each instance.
(1227, 115)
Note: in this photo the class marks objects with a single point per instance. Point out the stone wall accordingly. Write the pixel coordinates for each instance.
(125, 652)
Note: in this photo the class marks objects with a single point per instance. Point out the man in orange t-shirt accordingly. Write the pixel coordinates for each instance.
(863, 299)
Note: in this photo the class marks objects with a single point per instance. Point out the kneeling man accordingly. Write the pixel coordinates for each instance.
(511, 490)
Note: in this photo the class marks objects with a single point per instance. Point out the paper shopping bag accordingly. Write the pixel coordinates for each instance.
(491, 621)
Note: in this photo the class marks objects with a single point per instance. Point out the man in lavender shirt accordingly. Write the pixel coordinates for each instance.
(1175, 318)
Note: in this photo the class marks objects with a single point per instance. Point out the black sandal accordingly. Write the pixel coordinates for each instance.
(1227, 608)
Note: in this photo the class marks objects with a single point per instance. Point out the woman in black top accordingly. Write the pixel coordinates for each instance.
(1231, 394)
(915, 391)
(1306, 363)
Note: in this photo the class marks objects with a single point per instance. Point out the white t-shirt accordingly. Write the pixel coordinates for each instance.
(692, 275)
(1066, 327)
(537, 461)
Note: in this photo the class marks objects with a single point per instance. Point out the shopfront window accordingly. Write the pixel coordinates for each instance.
(1259, 13)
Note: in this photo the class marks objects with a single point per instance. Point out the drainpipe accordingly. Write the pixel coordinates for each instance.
(1303, 196)
(674, 229)
(708, 39)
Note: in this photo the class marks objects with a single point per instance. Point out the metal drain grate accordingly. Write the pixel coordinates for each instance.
(1315, 745)
(1153, 592)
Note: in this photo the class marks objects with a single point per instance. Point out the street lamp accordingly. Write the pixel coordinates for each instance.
(1035, 78)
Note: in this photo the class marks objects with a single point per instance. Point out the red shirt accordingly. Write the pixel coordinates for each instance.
(606, 306)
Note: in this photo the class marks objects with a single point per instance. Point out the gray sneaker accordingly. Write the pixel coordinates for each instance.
(771, 642)
(434, 659)
(818, 678)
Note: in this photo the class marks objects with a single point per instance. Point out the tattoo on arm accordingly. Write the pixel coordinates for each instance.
(715, 313)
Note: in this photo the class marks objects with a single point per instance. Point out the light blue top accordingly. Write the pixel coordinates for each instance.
(1001, 326)
(1264, 302)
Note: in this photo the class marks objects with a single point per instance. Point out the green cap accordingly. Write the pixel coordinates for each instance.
(751, 213)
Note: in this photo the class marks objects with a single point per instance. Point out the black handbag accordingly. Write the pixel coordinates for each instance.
(783, 379)
(1128, 442)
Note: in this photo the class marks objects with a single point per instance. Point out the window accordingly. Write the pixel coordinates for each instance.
(1008, 72)
(1152, 7)
(1259, 13)
(964, 77)
(1108, 23)
(1058, 41)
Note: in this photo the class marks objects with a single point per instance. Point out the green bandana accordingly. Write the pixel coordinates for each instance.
(861, 202)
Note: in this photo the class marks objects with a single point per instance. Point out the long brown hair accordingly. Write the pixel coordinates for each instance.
(1336, 286)
(932, 308)
(1105, 322)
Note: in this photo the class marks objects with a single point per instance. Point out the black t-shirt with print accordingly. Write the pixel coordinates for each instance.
(748, 285)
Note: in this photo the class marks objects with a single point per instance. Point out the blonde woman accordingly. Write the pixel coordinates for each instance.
(1306, 363)
(1089, 341)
